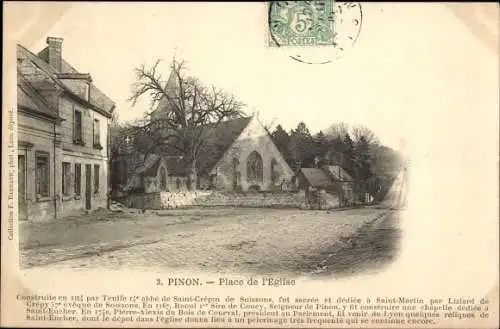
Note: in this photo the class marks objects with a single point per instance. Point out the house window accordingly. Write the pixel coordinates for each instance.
(96, 179)
(42, 175)
(163, 179)
(254, 167)
(78, 178)
(97, 136)
(77, 127)
(178, 183)
(66, 178)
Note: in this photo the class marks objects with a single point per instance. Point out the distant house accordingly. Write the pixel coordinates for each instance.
(239, 155)
(62, 136)
(330, 178)
(344, 180)
(320, 189)
(316, 178)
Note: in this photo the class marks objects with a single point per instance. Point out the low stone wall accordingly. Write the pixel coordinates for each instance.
(173, 200)
(253, 199)
(170, 200)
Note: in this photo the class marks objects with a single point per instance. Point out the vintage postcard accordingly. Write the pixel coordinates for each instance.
(317, 164)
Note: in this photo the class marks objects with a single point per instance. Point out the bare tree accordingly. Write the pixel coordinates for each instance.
(182, 113)
(337, 131)
(359, 132)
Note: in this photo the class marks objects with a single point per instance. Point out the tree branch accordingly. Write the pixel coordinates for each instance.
(192, 111)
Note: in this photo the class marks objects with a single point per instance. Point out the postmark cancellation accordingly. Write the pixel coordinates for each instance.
(320, 30)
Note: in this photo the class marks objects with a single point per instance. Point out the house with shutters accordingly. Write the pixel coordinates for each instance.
(62, 136)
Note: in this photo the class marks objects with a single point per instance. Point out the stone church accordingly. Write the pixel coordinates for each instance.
(239, 155)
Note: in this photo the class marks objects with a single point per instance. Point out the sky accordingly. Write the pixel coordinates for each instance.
(396, 78)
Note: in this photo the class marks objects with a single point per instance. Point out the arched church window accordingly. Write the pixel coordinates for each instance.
(254, 167)
(236, 173)
(274, 171)
(163, 179)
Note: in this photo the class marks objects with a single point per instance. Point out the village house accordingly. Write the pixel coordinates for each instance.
(239, 156)
(62, 136)
(347, 184)
(331, 179)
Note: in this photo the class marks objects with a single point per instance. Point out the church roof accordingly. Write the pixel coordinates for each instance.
(219, 138)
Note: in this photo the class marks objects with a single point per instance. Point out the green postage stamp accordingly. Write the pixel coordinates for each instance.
(301, 23)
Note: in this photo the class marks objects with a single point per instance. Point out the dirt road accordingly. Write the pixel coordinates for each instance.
(226, 240)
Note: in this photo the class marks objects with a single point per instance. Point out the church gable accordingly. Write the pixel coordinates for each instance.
(252, 161)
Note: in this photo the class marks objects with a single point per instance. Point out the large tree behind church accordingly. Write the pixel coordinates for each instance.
(302, 146)
(282, 140)
(189, 111)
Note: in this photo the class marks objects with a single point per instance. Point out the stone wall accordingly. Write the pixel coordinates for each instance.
(172, 200)
(253, 199)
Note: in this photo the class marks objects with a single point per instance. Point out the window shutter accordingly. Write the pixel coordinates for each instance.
(80, 126)
(74, 124)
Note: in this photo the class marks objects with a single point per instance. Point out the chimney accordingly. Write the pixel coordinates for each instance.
(55, 52)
